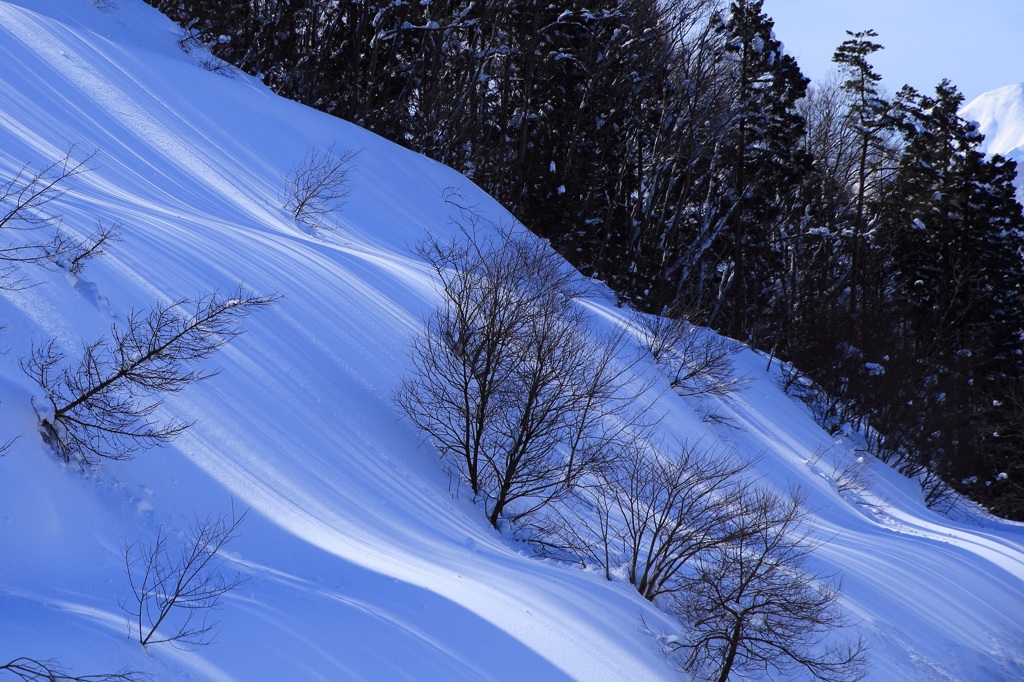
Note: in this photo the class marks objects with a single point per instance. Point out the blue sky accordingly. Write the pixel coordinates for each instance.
(977, 44)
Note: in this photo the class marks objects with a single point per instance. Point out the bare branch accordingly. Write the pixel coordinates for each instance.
(36, 670)
(105, 6)
(25, 207)
(72, 253)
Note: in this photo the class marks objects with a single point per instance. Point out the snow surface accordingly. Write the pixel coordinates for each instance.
(362, 562)
(1000, 117)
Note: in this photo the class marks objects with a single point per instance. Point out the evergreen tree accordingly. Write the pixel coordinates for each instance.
(766, 165)
(839, 320)
(956, 238)
(868, 122)
(586, 73)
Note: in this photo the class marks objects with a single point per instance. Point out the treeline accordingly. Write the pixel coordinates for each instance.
(675, 151)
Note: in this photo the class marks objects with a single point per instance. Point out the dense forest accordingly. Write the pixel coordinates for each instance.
(673, 150)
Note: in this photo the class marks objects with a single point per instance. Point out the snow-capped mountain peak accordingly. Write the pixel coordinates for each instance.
(999, 114)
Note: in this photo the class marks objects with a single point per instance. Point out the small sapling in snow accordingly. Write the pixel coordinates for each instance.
(318, 185)
(173, 592)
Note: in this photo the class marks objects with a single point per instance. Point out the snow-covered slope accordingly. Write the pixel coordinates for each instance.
(999, 114)
(361, 562)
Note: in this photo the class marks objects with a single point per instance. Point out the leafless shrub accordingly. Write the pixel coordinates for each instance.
(704, 364)
(709, 414)
(578, 530)
(753, 606)
(25, 207)
(318, 184)
(939, 494)
(105, 6)
(508, 382)
(191, 39)
(174, 592)
(698, 361)
(661, 333)
(216, 65)
(101, 408)
(36, 670)
(850, 474)
(827, 410)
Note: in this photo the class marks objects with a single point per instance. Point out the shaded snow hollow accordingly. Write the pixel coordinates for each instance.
(362, 563)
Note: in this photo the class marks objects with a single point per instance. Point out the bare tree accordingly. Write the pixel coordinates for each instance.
(753, 605)
(661, 333)
(673, 509)
(729, 559)
(465, 355)
(850, 473)
(37, 670)
(697, 361)
(174, 593)
(26, 201)
(651, 514)
(508, 381)
(72, 253)
(102, 407)
(318, 184)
